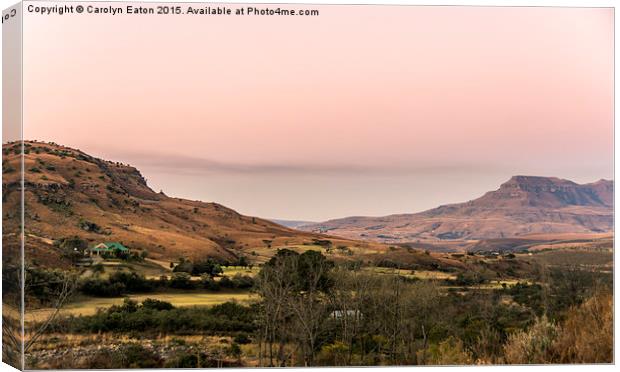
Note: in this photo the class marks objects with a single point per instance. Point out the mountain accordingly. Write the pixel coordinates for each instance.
(522, 206)
(70, 193)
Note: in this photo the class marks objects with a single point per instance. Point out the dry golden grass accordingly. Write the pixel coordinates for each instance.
(89, 305)
(115, 197)
(147, 268)
(231, 271)
(419, 274)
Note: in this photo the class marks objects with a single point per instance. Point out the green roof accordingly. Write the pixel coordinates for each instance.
(116, 245)
(111, 246)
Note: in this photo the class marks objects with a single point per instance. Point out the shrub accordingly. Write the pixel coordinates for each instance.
(470, 278)
(98, 268)
(532, 346)
(89, 226)
(133, 317)
(243, 281)
(187, 360)
(209, 267)
(183, 266)
(449, 352)
(586, 335)
(127, 356)
(334, 354)
(181, 280)
(226, 282)
(118, 284)
(242, 339)
(208, 283)
(158, 305)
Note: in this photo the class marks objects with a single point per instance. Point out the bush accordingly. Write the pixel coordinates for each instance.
(470, 278)
(181, 280)
(242, 339)
(532, 346)
(209, 267)
(117, 284)
(183, 267)
(44, 285)
(152, 317)
(208, 283)
(226, 282)
(449, 352)
(334, 354)
(586, 335)
(127, 356)
(157, 305)
(89, 226)
(98, 268)
(242, 281)
(187, 360)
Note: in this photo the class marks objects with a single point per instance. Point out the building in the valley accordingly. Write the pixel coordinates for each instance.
(108, 247)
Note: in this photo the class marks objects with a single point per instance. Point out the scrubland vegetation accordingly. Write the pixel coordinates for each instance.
(302, 299)
(309, 311)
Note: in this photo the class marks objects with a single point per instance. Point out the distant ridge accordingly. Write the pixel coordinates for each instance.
(292, 224)
(522, 205)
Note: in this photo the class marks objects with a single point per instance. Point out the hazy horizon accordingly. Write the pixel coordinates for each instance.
(333, 117)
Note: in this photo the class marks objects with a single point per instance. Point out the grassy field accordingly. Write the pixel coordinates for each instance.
(84, 305)
(153, 269)
(231, 271)
(575, 257)
(419, 274)
(148, 268)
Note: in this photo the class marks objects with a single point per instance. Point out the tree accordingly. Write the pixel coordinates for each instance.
(347, 297)
(275, 285)
(307, 304)
(243, 261)
(293, 306)
(181, 280)
(209, 267)
(56, 288)
(72, 247)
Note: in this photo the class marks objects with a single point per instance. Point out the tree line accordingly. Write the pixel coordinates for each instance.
(313, 312)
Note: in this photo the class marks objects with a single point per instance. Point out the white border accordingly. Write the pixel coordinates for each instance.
(538, 3)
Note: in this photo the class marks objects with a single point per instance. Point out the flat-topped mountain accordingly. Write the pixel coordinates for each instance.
(521, 206)
(547, 192)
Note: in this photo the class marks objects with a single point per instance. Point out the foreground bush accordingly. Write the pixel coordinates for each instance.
(587, 333)
(127, 356)
(533, 346)
(586, 336)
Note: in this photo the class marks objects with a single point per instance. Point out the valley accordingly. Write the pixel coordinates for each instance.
(168, 282)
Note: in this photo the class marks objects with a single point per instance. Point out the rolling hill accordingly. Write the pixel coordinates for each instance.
(70, 193)
(522, 206)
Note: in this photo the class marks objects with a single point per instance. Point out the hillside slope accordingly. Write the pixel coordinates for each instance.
(521, 206)
(70, 193)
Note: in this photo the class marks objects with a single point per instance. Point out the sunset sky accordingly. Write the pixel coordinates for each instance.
(363, 110)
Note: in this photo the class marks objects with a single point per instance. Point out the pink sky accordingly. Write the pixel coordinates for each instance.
(363, 110)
